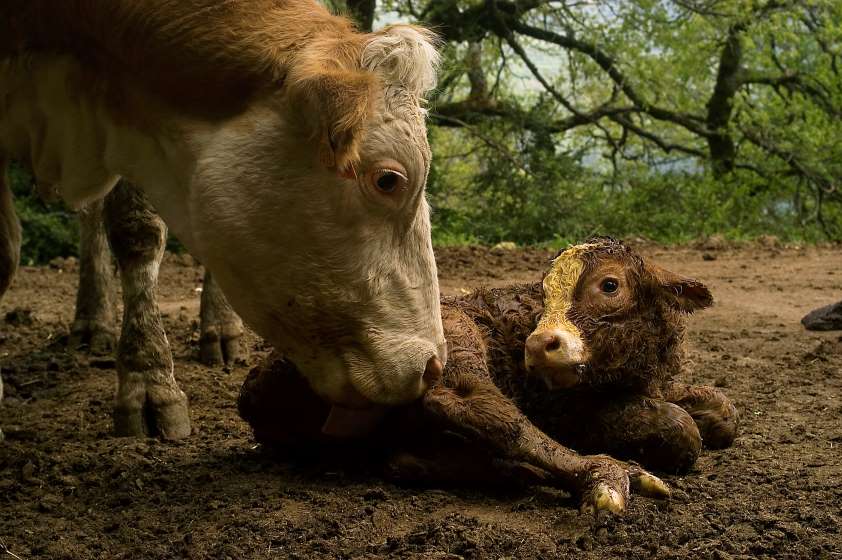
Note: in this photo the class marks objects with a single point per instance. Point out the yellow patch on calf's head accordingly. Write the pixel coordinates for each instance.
(559, 286)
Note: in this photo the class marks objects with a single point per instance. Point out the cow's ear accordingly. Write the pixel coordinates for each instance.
(681, 293)
(338, 103)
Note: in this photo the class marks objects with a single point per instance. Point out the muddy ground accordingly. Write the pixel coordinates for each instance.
(68, 489)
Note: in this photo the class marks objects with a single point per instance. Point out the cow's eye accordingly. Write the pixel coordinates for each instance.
(609, 285)
(387, 177)
(389, 180)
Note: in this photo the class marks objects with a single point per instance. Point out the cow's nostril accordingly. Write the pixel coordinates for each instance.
(553, 344)
(433, 371)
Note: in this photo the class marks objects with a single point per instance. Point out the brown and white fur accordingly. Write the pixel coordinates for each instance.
(286, 150)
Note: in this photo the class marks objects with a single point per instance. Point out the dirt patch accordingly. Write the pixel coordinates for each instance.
(70, 490)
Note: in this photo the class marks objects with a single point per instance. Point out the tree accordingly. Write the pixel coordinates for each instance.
(733, 85)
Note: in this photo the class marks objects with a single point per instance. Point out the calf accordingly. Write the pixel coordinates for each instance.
(586, 359)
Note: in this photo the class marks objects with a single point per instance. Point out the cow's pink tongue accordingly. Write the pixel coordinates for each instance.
(351, 422)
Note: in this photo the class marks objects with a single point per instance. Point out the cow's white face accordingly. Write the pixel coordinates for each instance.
(333, 266)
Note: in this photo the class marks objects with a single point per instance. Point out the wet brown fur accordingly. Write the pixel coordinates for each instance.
(487, 396)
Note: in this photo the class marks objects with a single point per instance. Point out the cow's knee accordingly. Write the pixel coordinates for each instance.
(717, 420)
(659, 435)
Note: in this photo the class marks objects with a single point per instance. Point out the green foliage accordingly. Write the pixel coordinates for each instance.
(49, 230)
(652, 173)
(548, 196)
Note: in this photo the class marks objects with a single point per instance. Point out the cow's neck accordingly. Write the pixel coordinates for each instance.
(64, 124)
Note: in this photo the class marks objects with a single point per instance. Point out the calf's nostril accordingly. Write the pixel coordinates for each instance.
(553, 344)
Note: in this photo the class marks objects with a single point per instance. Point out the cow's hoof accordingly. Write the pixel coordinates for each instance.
(649, 485)
(158, 411)
(216, 350)
(94, 337)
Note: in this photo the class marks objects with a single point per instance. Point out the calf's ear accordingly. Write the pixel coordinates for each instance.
(682, 293)
(336, 102)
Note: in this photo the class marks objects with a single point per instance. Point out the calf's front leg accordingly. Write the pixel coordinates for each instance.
(149, 400)
(475, 407)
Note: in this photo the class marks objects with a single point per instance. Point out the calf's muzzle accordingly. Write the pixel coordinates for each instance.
(556, 356)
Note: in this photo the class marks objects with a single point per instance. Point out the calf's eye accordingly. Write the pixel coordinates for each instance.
(609, 285)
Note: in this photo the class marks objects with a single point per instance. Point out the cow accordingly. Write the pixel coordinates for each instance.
(286, 150)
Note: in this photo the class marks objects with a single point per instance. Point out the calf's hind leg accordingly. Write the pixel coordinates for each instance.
(657, 434)
(713, 412)
(149, 401)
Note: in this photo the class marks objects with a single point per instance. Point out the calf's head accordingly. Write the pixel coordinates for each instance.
(609, 317)
(313, 217)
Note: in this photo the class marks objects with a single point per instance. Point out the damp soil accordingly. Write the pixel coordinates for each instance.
(69, 489)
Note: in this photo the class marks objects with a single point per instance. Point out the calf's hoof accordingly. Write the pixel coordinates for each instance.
(152, 411)
(98, 339)
(608, 483)
(217, 349)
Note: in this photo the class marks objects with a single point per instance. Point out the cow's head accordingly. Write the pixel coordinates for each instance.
(312, 214)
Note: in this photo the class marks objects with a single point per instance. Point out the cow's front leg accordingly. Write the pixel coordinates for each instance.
(149, 401)
(473, 406)
(714, 413)
(94, 323)
(221, 328)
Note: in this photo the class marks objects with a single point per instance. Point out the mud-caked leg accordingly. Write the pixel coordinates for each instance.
(473, 406)
(94, 323)
(149, 401)
(458, 462)
(714, 413)
(221, 327)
